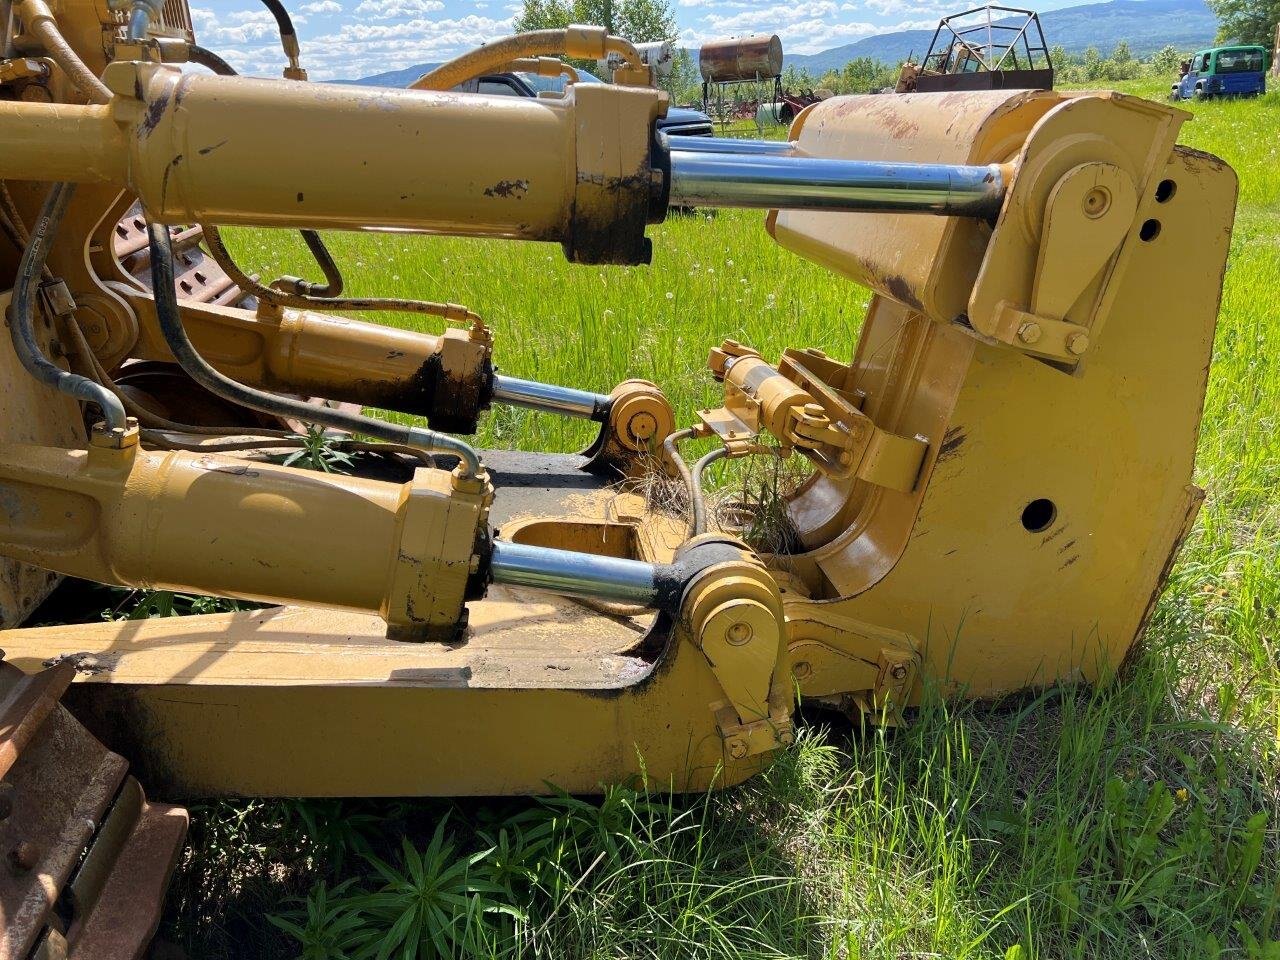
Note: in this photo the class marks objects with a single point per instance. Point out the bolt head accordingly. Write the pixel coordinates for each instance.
(1096, 202)
(1029, 332)
(26, 855)
(898, 671)
(737, 748)
(1078, 343)
(739, 633)
(642, 426)
(802, 669)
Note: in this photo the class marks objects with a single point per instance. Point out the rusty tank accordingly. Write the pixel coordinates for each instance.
(746, 58)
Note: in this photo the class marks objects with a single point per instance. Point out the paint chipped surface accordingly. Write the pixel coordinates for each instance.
(85, 663)
(508, 189)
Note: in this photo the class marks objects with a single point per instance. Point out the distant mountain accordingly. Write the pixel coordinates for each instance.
(393, 78)
(1147, 25)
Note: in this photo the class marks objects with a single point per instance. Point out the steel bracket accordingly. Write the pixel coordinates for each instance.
(836, 657)
(743, 740)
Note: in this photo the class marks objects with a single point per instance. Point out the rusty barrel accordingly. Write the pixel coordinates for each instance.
(748, 58)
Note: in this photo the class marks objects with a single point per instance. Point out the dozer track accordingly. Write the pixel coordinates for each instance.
(86, 857)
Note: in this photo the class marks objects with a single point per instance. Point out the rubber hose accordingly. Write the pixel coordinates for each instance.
(203, 373)
(22, 311)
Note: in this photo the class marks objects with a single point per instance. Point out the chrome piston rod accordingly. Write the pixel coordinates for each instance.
(574, 574)
(814, 183)
(773, 148)
(550, 398)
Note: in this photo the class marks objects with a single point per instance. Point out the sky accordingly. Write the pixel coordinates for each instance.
(349, 39)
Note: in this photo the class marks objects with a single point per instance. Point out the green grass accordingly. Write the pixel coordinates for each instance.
(1141, 820)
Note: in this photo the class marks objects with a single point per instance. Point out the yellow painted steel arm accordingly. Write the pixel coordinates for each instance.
(582, 42)
(576, 170)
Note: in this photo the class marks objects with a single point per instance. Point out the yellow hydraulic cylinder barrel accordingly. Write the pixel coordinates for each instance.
(234, 150)
(577, 169)
(778, 397)
(58, 141)
(446, 378)
(215, 524)
(273, 153)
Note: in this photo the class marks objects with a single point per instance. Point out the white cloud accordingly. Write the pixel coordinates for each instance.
(360, 49)
(887, 8)
(808, 26)
(373, 36)
(237, 27)
(392, 9)
(804, 27)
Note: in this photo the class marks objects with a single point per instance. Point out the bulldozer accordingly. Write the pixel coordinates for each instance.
(998, 473)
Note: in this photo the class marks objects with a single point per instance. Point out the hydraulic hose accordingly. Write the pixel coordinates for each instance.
(333, 284)
(204, 374)
(589, 43)
(11, 222)
(288, 35)
(171, 435)
(41, 24)
(207, 58)
(22, 311)
(144, 415)
(449, 311)
(247, 441)
(283, 21)
(682, 468)
(699, 501)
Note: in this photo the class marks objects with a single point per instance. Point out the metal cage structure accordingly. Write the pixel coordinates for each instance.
(986, 48)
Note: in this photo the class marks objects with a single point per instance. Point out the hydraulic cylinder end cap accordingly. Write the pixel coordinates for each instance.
(735, 622)
(730, 596)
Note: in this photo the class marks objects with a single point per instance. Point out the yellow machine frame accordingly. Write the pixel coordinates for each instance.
(1002, 471)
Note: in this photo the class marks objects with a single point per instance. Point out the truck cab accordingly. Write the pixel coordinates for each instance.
(1223, 72)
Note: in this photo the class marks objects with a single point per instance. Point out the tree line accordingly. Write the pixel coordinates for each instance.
(1240, 21)
(866, 75)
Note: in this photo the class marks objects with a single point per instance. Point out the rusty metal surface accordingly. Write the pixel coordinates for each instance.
(62, 796)
(198, 276)
(128, 908)
(26, 702)
(61, 785)
(749, 58)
